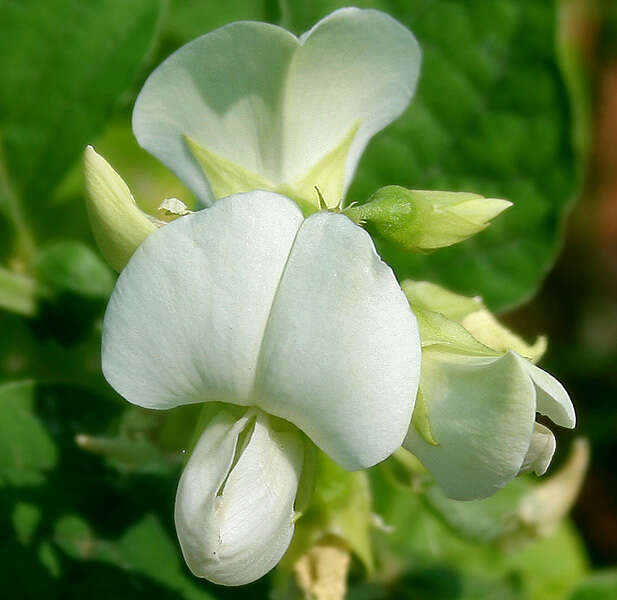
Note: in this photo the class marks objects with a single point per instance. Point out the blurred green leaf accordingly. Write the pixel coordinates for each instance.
(18, 293)
(72, 267)
(146, 548)
(26, 449)
(491, 116)
(64, 64)
(484, 520)
(188, 19)
(421, 547)
(600, 586)
(551, 567)
(76, 285)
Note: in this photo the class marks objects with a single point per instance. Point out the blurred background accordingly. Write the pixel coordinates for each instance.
(517, 99)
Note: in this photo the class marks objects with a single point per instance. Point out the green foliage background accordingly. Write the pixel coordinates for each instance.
(494, 114)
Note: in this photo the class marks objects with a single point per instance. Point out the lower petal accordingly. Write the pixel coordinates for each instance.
(235, 521)
(541, 450)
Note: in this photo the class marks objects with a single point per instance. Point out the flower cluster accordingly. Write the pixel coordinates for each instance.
(282, 318)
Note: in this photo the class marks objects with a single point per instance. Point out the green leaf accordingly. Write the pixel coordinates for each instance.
(76, 285)
(600, 586)
(146, 549)
(63, 66)
(72, 267)
(188, 19)
(491, 116)
(18, 293)
(26, 449)
(418, 546)
(485, 520)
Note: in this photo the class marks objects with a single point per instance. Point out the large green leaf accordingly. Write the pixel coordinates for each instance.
(600, 586)
(64, 65)
(491, 116)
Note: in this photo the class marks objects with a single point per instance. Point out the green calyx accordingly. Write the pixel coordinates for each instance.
(464, 325)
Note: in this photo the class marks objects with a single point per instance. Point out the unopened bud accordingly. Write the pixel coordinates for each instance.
(119, 226)
(422, 221)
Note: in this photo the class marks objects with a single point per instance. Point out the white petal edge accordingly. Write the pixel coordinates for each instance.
(552, 398)
(187, 316)
(341, 353)
(481, 413)
(234, 526)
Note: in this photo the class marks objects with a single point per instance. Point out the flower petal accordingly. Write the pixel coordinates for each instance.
(481, 413)
(255, 96)
(187, 316)
(341, 354)
(236, 522)
(541, 450)
(552, 398)
(356, 68)
(223, 90)
(249, 304)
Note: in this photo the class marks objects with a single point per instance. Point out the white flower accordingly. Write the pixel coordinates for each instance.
(298, 321)
(250, 106)
(474, 425)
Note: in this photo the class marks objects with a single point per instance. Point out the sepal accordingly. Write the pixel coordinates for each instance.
(119, 226)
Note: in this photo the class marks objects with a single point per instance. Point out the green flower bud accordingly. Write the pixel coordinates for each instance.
(119, 226)
(422, 221)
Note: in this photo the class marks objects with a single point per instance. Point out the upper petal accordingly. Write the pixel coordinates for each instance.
(187, 316)
(341, 353)
(235, 522)
(481, 413)
(355, 68)
(223, 90)
(257, 97)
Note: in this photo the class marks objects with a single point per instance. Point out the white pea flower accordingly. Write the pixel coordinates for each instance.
(298, 326)
(474, 424)
(251, 106)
